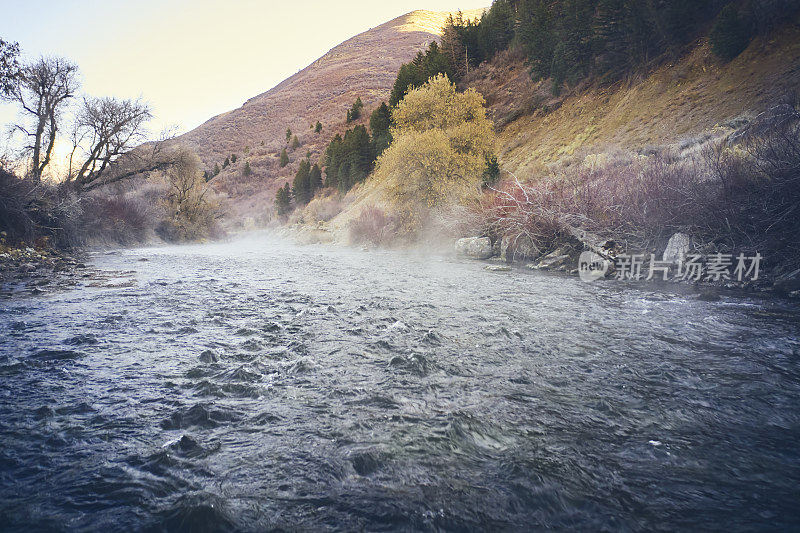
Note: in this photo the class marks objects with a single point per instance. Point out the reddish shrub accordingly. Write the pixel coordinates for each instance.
(373, 226)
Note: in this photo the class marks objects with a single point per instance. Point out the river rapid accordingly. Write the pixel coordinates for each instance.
(257, 385)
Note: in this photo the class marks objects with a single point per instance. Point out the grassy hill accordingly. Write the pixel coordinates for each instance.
(680, 103)
(364, 66)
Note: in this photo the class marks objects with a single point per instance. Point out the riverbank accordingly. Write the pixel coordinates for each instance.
(34, 271)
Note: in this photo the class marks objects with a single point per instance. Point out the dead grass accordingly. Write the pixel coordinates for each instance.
(695, 95)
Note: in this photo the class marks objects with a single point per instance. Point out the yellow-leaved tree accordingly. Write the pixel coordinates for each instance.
(441, 141)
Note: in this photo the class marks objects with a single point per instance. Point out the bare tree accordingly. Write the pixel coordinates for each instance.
(186, 188)
(106, 132)
(9, 66)
(42, 89)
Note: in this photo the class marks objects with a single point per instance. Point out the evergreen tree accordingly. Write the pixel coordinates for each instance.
(288, 134)
(333, 159)
(247, 170)
(283, 200)
(301, 186)
(354, 113)
(423, 67)
(315, 178)
(318, 127)
(492, 173)
(226, 162)
(233, 158)
(206, 175)
(216, 168)
(348, 160)
(730, 35)
(295, 143)
(496, 29)
(343, 178)
(379, 123)
(284, 158)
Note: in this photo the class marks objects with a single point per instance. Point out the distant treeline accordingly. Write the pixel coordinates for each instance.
(570, 40)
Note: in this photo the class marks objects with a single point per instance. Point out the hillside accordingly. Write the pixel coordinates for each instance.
(678, 106)
(680, 103)
(364, 66)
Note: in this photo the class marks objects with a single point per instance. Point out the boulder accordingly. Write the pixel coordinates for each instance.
(677, 247)
(520, 248)
(552, 262)
(209, 356)
(474, 247)
(556, 260)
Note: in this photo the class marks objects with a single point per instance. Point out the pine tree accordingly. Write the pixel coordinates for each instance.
(729, 36)
(226, 162)
(284, 158)
(354, 113)
(233, 158)
(295, 143)
(332, 160)
(216, 168)
(318, 127)
(283, 200)
(379, 123)
(315, 178)
(492, 172)
(301, 186)
(423, 67)
(247, 170)
(288, 134)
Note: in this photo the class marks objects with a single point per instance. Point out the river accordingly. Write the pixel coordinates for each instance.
(257, 385)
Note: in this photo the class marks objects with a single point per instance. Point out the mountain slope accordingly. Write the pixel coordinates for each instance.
(364, 66)
(676, 109)
(682, 103)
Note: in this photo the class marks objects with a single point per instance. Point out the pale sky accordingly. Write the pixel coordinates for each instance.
(194, 59)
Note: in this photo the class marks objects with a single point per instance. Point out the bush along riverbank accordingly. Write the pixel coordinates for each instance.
(722, 211)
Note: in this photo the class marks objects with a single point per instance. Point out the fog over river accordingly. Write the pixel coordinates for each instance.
(256, 384)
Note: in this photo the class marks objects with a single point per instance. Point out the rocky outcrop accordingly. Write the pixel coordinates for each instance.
(677, 247)
(517, 249)
(558, 259)
(474, 247)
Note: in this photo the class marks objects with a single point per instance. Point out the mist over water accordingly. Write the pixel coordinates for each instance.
(256, 385)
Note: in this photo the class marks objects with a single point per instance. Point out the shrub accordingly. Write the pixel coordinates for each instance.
(30, 211)
(373, 226)
(730, 35)
(741, 198)
(323, 209)
(116, 219)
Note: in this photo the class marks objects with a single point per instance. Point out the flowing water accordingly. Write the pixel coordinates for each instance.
(256, 385)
